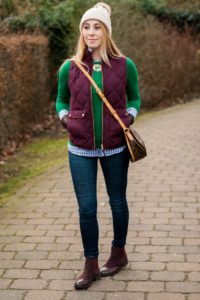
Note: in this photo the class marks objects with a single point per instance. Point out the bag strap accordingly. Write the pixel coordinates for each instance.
(102, 96)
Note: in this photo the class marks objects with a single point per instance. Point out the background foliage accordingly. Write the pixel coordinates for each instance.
(161, 36)
(24, 86)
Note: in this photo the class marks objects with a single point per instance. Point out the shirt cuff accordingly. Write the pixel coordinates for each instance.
(132, 111)
(63, 113)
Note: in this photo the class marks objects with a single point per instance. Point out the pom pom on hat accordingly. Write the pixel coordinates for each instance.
(104, 6)
(101, 12)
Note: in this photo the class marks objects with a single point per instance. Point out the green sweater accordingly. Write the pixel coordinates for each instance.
(133, 95)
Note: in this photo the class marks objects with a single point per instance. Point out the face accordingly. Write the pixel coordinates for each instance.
(92, 33)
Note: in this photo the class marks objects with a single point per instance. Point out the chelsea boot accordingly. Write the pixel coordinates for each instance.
(90, 273)
(117, 260)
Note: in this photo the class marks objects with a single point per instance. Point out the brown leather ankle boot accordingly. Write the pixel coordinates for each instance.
(117, 260)
(90, 273)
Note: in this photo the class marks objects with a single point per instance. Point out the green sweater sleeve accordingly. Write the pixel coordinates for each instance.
(133, 92)
(63, 94)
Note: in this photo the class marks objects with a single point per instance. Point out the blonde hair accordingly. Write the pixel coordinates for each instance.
(107, 47)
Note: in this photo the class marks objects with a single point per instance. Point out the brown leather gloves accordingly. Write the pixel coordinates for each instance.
(131, 118)
(64, 121)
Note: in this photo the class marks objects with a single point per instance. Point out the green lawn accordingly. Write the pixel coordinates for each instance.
(36, 157)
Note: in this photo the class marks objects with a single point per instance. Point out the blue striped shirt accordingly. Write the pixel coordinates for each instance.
(94, 153)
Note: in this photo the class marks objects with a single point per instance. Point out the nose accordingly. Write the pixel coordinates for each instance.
(91, 31)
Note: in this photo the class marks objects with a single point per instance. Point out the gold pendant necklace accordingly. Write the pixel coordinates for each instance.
(97, 67)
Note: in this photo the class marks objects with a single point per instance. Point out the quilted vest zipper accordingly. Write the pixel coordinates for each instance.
(94, 146)
(102, 146)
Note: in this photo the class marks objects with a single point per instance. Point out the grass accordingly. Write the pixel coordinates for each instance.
(36, 157)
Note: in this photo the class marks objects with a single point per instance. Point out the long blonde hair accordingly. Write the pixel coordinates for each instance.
(108, 47)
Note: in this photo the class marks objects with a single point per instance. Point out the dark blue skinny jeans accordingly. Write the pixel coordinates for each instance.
(84, 177)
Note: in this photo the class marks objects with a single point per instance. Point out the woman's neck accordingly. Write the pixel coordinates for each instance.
(96, 54)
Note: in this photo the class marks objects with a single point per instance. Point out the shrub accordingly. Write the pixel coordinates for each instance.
(7, 7)
(182, 14)
(167, 61)
(24, 85)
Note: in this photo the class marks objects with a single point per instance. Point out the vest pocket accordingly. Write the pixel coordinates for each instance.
(116, 128)
(77, 124)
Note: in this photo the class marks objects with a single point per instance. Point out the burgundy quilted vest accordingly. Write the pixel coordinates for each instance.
(80, 121)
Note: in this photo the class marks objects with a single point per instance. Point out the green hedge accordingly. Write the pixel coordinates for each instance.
(57, 20)
(182, 17)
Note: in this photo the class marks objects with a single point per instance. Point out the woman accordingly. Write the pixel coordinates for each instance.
(95, 134)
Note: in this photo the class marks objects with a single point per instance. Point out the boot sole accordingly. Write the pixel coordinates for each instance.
(86, 286)
(114, 272)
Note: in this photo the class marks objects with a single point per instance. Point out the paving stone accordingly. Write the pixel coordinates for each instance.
(148, 266)
(10, 240)
(183, 287)
(166, 241)
(194, 276)
(193, 258)
(167, 257)
(183, 266)
(64, 255)
(128, 275)
(21, 273)
(84, 295)
(57, 274)
(151, 249)
(30, 232)
(184, 249)
(19, 247)
(29, 284)
(6, 255)
(168, 276)
(193, 242)
(62, 285)
(71, 265)
(193, 297)
(41, 264)
(29, 255)
(153, 234)
(125, 295)
(106, 284)
(60, 233)
(11, 295)
(4, 283)
(38, 239)
(11, 264)
(44, 295)
(52, 247)
(165, 296)
(137, 257)
(145, 286)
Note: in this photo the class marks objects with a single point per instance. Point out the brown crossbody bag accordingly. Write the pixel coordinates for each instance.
(134, 142)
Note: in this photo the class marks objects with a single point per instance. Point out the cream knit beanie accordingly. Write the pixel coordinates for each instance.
(101, 12)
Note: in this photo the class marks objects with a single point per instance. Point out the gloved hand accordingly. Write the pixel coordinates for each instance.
(131, 118)
(64, 121)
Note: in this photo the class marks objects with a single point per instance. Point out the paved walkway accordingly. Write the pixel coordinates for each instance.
(40, 245)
